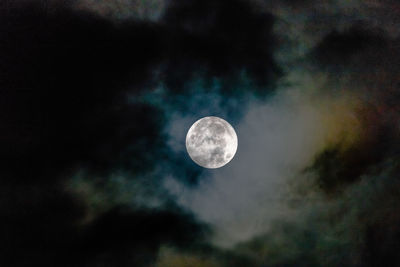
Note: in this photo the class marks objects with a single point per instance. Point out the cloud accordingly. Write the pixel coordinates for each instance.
(325, 112)
(277, 140)
(169, 258)
(97, 98)
(73, 139)
(124, 9)
(345, 225)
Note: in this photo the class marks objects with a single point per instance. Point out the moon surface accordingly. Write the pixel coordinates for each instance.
(211, 142)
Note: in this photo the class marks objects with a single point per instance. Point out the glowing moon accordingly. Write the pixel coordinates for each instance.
(211, 142)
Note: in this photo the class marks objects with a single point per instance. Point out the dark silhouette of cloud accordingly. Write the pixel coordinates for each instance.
(92, 106)
(65, 78)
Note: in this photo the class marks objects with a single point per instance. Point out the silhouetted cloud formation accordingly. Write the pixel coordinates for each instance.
(97, 97)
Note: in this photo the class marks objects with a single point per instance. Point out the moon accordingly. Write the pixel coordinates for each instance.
(211, 142)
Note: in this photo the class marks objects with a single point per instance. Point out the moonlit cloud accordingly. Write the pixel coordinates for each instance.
(97, 98)
(277, 140)
(150, 10)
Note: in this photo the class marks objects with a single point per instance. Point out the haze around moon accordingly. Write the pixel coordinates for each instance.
(211, 142)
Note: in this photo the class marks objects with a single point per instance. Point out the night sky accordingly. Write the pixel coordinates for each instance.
(96, 98)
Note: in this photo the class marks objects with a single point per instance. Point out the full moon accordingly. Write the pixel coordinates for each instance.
(211, 142)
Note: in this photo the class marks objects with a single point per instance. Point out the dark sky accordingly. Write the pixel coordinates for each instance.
(96, 100)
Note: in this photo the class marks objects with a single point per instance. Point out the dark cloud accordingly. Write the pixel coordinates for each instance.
(125, 237)
(357, 181)
(337, 49)
(220, 38)
(39, 224)
(64, 74)
(65, 79)
(338, 167)
(365, 55)
(48, 232)
(359, 229)
(91, 105)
